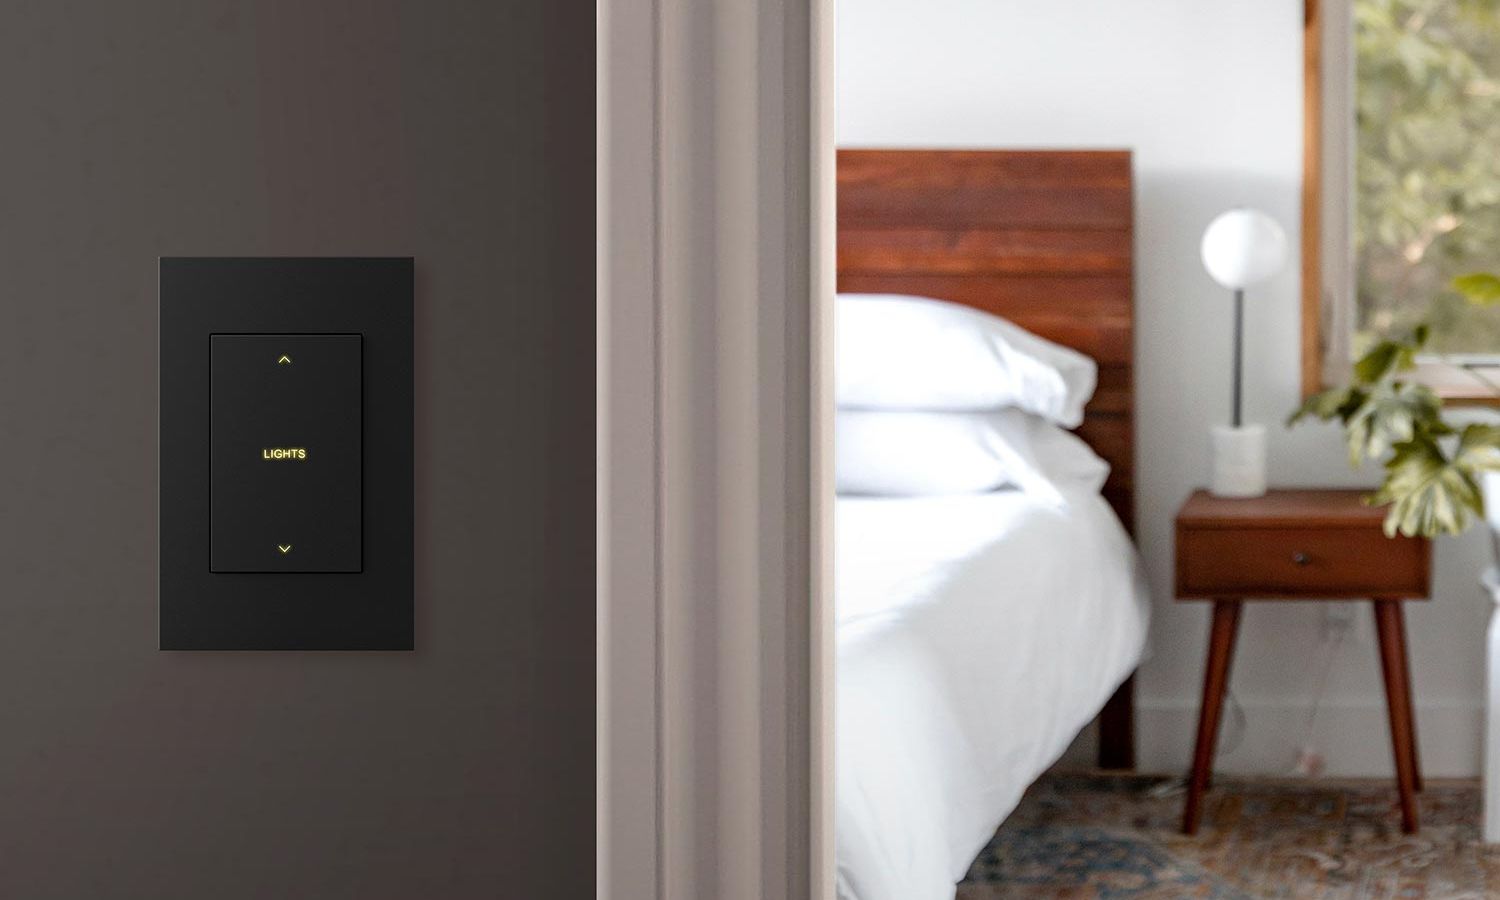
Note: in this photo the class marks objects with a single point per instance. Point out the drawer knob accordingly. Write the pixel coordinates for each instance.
(1301, 558)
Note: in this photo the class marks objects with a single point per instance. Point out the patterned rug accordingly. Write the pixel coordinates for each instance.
(1115, 837)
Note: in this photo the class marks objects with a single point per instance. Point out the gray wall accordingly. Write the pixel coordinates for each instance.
(457, 132)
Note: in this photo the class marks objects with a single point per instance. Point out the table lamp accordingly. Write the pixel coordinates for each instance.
(1241, 247)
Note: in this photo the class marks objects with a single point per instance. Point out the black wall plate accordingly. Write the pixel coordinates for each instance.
(286, 454)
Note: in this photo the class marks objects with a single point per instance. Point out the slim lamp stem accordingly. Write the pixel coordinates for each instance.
(1239, 328)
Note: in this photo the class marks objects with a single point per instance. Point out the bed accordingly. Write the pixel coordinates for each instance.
(977, 634)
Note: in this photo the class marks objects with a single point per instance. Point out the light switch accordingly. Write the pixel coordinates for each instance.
(286, 452)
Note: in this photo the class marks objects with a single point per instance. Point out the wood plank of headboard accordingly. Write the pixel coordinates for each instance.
(1007, 189)
(1041, 237)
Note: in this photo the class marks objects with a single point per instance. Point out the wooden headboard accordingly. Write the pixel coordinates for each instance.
(1040, 237)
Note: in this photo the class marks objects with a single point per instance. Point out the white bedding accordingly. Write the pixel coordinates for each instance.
(977, 635)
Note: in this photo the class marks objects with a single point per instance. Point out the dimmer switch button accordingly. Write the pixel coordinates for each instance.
(286, 467)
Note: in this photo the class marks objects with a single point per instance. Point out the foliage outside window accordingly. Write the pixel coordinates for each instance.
(1427, 169)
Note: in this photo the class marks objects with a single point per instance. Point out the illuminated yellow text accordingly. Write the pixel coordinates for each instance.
(284, 453)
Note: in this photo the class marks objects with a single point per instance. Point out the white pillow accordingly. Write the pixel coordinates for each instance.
(897, 352)
(892, 453)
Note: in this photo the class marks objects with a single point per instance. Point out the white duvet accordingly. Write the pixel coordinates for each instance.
(977, 635)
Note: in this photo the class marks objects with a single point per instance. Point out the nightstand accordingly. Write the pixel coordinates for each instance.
(1290, 546)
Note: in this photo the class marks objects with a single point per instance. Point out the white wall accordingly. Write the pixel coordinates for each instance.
(1208, 95)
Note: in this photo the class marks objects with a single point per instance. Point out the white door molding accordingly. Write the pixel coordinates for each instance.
(715, 285)
(627, 846)
(1491, 774)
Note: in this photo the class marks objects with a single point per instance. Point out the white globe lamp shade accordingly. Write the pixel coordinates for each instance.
(1243, 247)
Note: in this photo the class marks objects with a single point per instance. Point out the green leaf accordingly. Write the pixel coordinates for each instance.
(1334, 403)
(1479, 448)
(1393, 412)
(1390, 357)
(1427, 493)
(1479, 288)
(1430, 494)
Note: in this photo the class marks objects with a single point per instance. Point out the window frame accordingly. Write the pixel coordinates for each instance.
(1328, 276)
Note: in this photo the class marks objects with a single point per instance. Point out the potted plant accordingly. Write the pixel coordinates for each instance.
(1435, 470)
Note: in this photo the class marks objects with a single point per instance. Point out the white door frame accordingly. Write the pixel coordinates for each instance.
(715, 261)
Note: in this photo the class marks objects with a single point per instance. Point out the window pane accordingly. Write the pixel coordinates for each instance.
(1427, 167)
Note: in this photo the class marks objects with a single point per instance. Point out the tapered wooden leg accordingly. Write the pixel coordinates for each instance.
(1411, 716)
(1117, 728)
(1390, 631)
(1215, 679)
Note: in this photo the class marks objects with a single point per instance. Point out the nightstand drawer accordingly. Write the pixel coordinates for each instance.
(1299, 562)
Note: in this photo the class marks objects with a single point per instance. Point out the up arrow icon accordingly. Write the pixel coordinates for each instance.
(284, 360)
